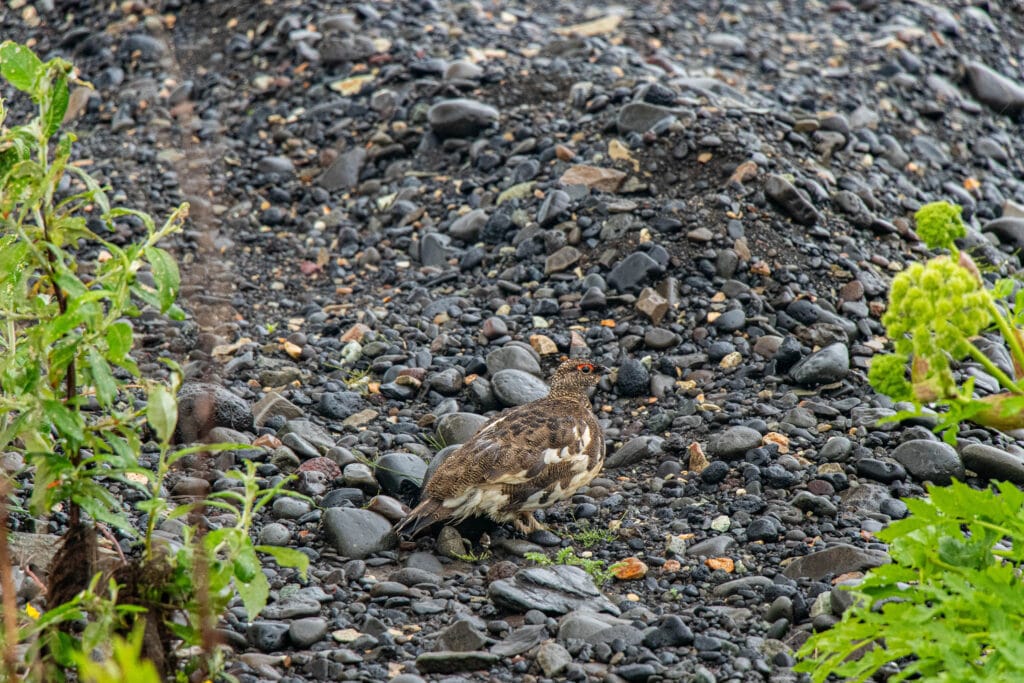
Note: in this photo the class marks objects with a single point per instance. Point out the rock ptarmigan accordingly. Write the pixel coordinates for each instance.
(525, 459)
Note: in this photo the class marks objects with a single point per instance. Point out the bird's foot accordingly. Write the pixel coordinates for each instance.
(526, 524)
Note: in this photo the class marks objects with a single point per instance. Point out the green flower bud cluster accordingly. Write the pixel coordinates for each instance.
(939, 225)
(887, 376)
(934, 309)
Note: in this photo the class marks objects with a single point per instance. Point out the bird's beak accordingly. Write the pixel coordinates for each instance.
(600, 369)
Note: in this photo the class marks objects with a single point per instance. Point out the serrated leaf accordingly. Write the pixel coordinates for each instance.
(162, 412)
(20, 66)
(166, 276)
(287, 557)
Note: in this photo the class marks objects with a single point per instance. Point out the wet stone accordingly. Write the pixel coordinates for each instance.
(993, 463)
(927, 460)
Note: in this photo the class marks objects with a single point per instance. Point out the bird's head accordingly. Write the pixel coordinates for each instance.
(575, 376)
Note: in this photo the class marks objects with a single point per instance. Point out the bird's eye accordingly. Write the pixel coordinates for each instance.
(585, 368)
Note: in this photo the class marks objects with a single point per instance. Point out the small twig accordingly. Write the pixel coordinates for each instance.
(103, 529)
(32, 575)
(10, 605)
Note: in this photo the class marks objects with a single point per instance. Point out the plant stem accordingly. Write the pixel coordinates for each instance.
(10, 605)
(70, 379)
(1008, 331)
(991, 368)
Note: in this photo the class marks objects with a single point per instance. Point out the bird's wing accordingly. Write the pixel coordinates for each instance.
(513, 449)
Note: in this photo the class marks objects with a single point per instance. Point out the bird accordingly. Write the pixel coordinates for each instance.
(526, 458)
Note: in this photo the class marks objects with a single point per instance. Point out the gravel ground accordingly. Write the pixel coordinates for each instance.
(402, 211)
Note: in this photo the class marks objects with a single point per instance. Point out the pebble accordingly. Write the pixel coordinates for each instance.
(928, 460)
(461, 118)
(733, 443)
(306, 632)
(553, 659)
(993, 463)
(515, 387)
(839, 559)
(635, 450)
(456, 428)
(1001, 94)
(791, 201)
(828, 365)
(357, 533)
(557, 589)
(202, 407)
(633, 379)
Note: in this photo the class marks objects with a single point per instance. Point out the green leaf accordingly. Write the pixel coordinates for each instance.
(67, 422)
(102, 377)
(56, 106)
(287, 557)
(119, 340)
(254, 593)
(162, 412)
(165, 273)
(20, 66)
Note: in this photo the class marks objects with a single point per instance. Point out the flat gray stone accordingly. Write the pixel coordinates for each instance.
(557, 589)
(400, 474)
(637, 449)
(515, 387)
(640, 117)
(343, 174)
(521, 640)
(733, 443)
(828, 365)
(839, 559)
(453, 662)
(1001, 94)
(355, 533)
(455, 428)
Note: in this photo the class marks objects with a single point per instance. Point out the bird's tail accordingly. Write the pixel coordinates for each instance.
(422, 516)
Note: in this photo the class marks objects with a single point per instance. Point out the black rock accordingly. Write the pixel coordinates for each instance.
(633, 379)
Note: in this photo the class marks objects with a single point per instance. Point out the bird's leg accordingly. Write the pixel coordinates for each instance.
(526, 523)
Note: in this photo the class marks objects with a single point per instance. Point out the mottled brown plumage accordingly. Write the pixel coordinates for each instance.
(525, 459)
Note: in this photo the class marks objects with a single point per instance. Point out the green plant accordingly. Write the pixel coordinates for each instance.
(65, 330)
(473, 557)
(948, 608)
(936, 312)
(436, 441)
(67, 296)
(588, 535)
(597, 569)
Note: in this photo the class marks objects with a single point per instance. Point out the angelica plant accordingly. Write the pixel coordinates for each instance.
(936, 312)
